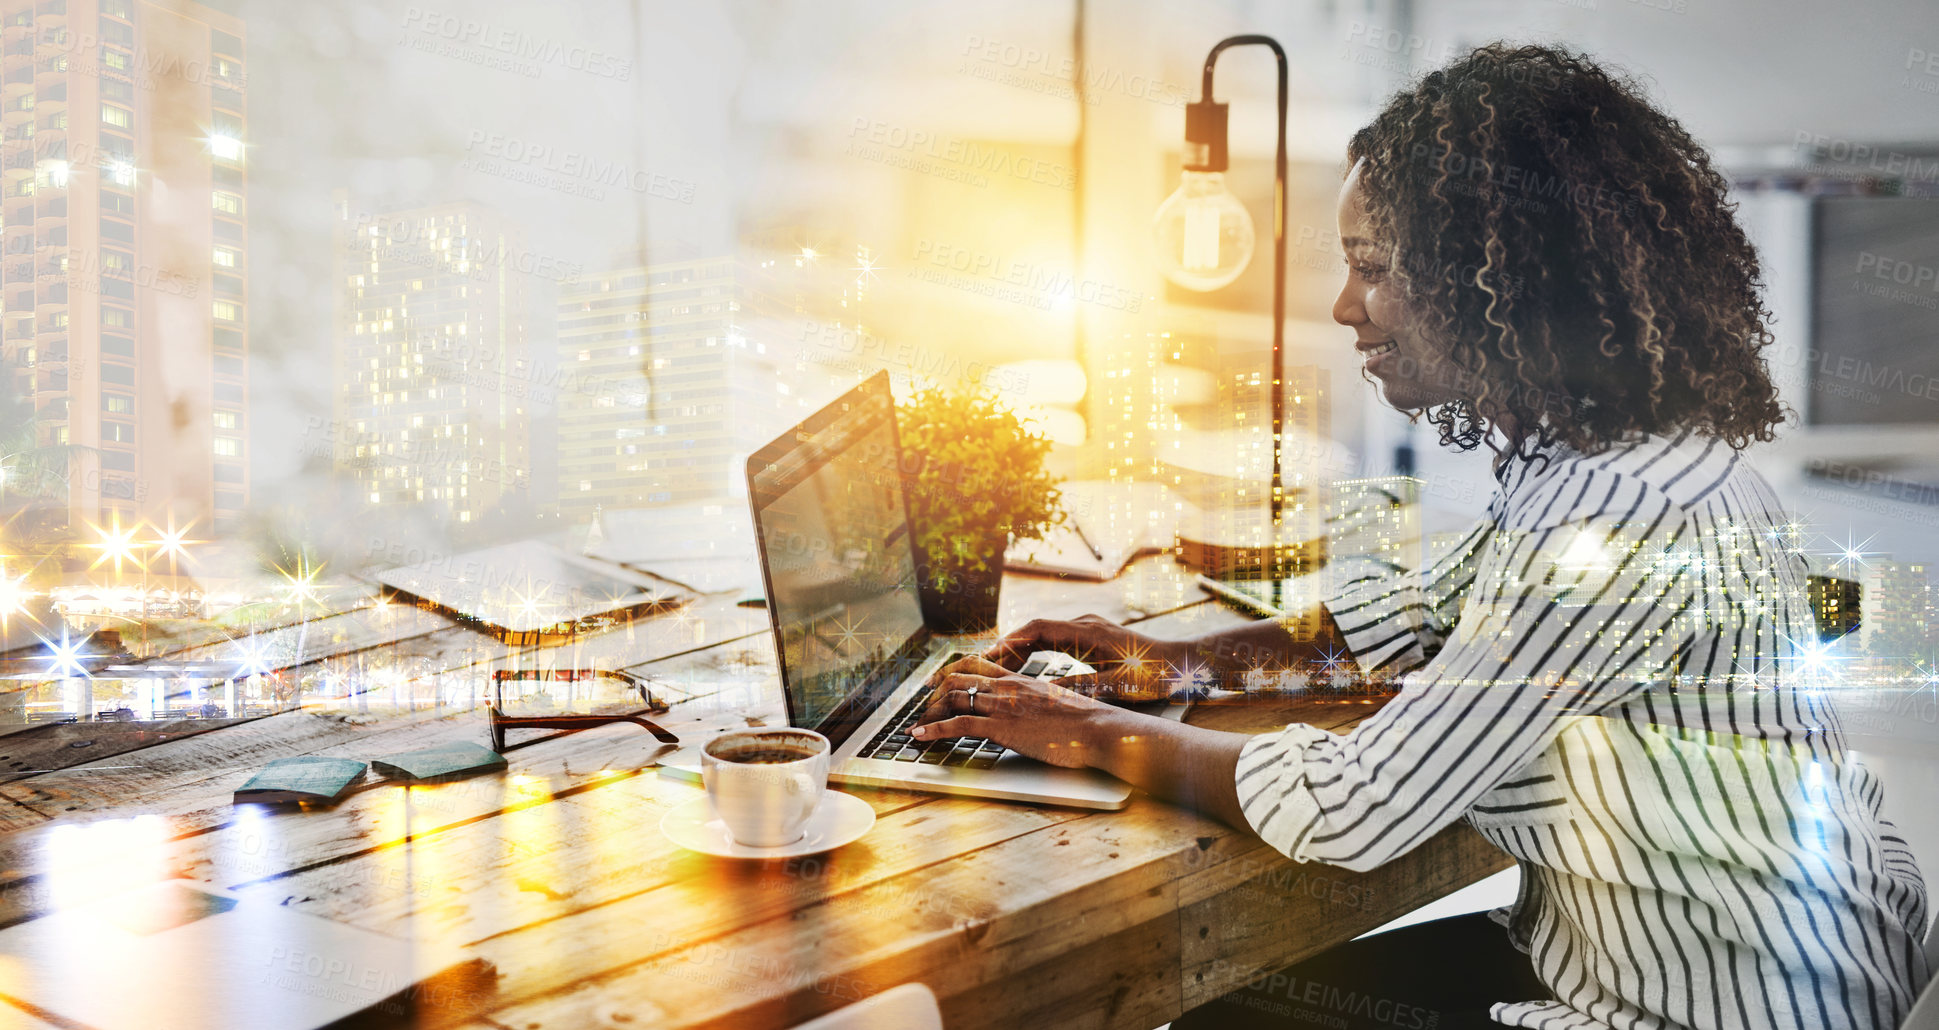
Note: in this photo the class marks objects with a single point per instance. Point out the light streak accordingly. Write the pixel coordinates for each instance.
(64, 658)
(118, 545)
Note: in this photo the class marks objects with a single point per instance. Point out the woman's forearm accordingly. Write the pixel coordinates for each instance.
(1266, 645)
(1189, 765)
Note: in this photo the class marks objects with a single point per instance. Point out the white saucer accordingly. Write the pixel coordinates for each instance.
(839, 819)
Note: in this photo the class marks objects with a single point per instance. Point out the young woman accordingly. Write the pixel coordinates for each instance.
(1607, 676)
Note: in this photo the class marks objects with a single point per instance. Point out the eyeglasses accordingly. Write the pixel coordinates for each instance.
(499, 722)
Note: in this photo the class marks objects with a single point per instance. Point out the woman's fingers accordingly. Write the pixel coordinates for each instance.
(952, 688)
(1079, 638)
(956, 726)
(971, 666)
(1011, 651)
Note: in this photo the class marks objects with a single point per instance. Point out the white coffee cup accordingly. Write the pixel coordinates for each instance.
(765, 783)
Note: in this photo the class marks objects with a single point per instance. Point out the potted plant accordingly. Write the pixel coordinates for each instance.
(975, 478)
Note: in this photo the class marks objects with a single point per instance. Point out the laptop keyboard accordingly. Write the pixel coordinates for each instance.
(894, 744)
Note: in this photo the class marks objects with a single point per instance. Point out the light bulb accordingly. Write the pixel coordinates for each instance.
(1203, 233)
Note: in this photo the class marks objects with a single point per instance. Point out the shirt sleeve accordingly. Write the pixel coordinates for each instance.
(1559, 622)
(1394, 621)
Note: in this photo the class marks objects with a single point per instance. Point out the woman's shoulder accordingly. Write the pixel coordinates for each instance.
(1643, 477)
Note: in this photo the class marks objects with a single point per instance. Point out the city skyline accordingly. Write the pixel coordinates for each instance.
(124, 229)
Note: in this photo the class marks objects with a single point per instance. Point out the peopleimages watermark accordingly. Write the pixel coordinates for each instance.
(522, 374)
(1529, 186)
(1390, 49)
(1872, 481)
(141, 63)
(1321, 997)
(86, 274)
(325, 438)
(1864, 159)
(1279, 878)
(1036, 284)
(506, 48)
(1857, 372)
(1850, 499)
(1320, 250)
(743, 968)
(951, 157)
(872, 352)
(567, 171)
(409, 239)
(1039, 71)
(1921, 70)
(1887, 274)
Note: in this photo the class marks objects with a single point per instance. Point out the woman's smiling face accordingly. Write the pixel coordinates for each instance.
(1411, 369)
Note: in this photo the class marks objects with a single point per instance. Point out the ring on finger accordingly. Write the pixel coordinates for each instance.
(972, 698)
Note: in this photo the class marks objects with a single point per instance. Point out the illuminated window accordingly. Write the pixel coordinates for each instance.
(225, 257)
(225, 148)
(122, 174)
(51, 174)
(228, 446)
(228, 203)
(225, 420)
(119, 117)
(118, 404)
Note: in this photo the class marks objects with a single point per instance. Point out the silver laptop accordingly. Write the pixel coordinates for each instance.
(840, 571)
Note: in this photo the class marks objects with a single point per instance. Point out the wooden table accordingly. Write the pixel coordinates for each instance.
(1014, 914)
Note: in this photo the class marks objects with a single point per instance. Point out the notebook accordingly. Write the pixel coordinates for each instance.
(1106, 526)
(444, 762)
(289, 780)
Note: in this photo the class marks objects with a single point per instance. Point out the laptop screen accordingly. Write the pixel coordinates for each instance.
(839, 562)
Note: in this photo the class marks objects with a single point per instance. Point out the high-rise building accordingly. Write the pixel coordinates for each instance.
(678, 370)
(1836, 606)
(1378, 519)
(122, 252)
(1896, 595)
(433, 378)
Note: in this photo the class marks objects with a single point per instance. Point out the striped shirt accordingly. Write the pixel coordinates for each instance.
(1615, 678)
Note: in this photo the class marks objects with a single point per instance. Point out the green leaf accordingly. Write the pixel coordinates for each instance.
(979, 477)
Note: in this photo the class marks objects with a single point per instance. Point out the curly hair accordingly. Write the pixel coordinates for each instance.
(1572, 250)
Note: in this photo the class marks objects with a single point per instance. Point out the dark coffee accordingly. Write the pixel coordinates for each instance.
(766, 755)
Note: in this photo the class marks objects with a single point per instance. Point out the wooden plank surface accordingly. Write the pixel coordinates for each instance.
(556, 872)
(1007, 916)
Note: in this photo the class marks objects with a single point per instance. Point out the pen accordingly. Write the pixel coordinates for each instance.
(1079, 528)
